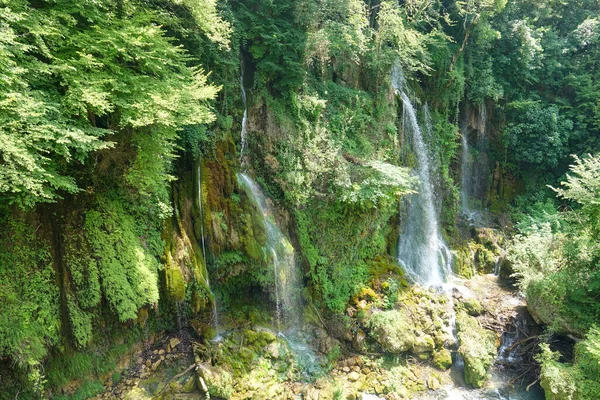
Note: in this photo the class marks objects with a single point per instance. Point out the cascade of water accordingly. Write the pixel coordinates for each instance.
(245, 117)
(497, 266)
(287, 286)
(434, 161)
(474, 168)
(214, 300)
(421, 249)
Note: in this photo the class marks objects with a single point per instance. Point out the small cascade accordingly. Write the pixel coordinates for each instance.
(244, 118)
(465, 169)
(497, 266)
(474, 168)
(421, 249)
(287, 285)
(215, 314)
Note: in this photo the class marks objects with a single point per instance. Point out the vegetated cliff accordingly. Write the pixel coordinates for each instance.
(110, 149)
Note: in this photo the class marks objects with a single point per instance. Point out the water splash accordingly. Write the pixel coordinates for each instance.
(244, 131)
(421, 249)
(287, 286)
(215, 313)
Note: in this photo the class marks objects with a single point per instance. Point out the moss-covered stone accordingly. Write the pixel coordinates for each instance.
(485, 259)
(392, 330)
(556, 381)
(442, 359)
(472, 306)
(462, 262)
(218, 380)
(477, 347)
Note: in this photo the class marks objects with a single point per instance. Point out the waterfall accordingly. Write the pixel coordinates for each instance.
(287, 285)
(245, 117)
(421, 249)
(474, 169)
(434, 163)
(465, 169)
(214, 299)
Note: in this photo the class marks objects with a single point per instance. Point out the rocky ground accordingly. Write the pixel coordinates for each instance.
(394, 351)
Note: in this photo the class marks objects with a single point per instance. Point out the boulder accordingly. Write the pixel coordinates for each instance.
(442, 359)
(358, 341)
(477, 347)
(392, 330)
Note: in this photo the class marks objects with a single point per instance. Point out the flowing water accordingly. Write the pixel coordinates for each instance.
(281, 253)
(465, 169)
(474, 169)
(421, 249)
(215, 314)
(244, 118)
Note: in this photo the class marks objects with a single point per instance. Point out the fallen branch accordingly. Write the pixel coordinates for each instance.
(521, 342)
(531, 384)
(175, 377)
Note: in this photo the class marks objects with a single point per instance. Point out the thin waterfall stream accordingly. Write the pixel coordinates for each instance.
(421, 249)
(244, 130)
(287, 285)
(215, 313)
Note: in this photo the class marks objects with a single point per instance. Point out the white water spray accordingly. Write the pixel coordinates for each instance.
(244, 118)
(287, 285)
(421, 249)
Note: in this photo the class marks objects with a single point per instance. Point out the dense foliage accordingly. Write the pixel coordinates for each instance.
(107, 108)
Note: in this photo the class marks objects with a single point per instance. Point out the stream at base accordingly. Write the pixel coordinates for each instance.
(504, 382)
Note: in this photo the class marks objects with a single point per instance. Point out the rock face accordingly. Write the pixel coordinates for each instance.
(477, 347)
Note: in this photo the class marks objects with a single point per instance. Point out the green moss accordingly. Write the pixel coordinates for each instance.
(392, 330)
(477, 347)
(462, 262)
(175, 285)
(442, 359)
(472, 306)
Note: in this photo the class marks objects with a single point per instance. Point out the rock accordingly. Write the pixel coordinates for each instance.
(351, 312)
(433, 383)
(155, 365)
(320, 333)
(353, 376)
(477, 347)
(472, 307)
(203, 330)
(392, 330)
(358, 341)
(148, 363)
(423, 344)
(272, 350)
(327, 344)
(442, 359)
(161, 352)
(346, 369)
(266, 336)
(218, 381)
(310, 393)
(556, 381)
